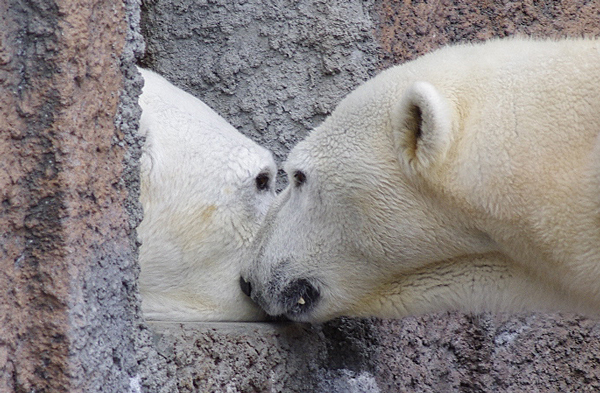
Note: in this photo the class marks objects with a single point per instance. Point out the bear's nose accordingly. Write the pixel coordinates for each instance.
(245, 286)
(300, 296)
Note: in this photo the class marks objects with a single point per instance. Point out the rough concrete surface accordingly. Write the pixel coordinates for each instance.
(152, 373)
(489, 353)
(70, 315)
(408, 29)
(275, 69)
(436, 353)
(272, 69)
(267, 357)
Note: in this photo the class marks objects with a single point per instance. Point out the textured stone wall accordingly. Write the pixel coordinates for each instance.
(487, 353)
(338, 357)
(409, 28)
(69, 309)
(436, 353)
(272, 69)
(275, 70)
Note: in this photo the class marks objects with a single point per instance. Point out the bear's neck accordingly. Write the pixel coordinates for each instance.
(488, 282)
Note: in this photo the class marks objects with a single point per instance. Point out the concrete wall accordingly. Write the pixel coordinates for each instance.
(437, 353)
(69, 308)
(275, 69)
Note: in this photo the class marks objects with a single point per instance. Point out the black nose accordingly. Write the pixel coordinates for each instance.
(300, 296)
(245, 286)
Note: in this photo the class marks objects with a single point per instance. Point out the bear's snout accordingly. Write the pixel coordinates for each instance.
(297, 298)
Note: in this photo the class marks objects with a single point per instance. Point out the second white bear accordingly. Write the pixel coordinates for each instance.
(205, 189)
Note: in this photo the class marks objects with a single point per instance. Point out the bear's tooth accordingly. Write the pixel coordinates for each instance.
(301, 301)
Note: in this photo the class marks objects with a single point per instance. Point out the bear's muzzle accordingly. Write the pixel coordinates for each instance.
(297, 298)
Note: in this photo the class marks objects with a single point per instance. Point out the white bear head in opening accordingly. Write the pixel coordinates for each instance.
(467, 179)
(205, 189)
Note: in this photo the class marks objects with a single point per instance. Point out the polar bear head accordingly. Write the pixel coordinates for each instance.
(205, 189)
(441, 184)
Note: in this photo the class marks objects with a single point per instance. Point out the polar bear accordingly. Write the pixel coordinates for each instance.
(205, 189)
(467, 179)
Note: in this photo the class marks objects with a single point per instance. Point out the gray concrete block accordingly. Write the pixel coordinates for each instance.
(437, 353)
(272, 69)
(264, 357)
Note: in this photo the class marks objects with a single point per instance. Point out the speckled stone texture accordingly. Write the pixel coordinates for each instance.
(486, 353)
(275, 70)
(436, 353)
(409, 28)
(270, 357)
(69, 308)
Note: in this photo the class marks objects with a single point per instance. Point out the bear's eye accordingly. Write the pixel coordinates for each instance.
(262, 181)
(299, 178)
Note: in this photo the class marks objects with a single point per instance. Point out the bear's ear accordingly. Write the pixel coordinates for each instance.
(422, 125)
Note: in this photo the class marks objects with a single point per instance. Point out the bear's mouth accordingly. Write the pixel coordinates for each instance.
(297, 299)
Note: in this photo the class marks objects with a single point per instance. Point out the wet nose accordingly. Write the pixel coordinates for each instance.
(300, 296)
(245, 286)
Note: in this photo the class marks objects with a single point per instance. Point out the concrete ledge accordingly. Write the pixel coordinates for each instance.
(257, 357)
(436, 353)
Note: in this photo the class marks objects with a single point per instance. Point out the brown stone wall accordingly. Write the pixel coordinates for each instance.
(62, 210)
(409, 28)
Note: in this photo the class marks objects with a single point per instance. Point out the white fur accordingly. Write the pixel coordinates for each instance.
(494, 206)
(202, 208)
